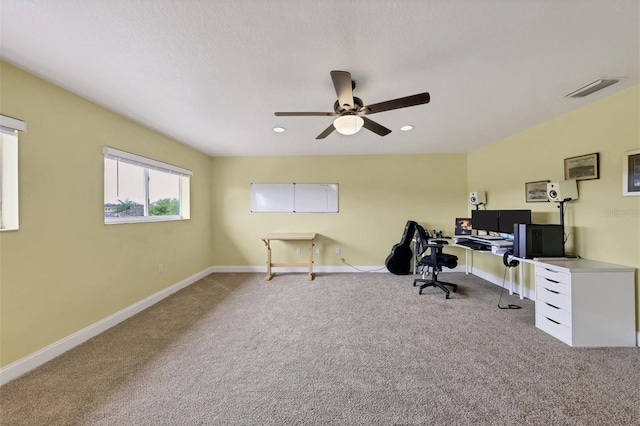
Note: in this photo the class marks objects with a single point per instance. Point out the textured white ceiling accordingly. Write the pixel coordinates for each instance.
(212, 73)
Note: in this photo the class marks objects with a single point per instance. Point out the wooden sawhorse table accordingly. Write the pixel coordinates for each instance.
(308, 236)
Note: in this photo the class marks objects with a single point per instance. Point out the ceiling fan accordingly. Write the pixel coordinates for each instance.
(351, 111)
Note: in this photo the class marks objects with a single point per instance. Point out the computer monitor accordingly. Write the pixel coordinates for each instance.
(485, 220)
(463, 226)
(508, 218)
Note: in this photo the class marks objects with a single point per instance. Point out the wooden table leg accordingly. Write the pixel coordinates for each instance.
(269, 274)
(310, 277)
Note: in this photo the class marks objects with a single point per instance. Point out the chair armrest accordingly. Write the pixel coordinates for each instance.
(440, 241)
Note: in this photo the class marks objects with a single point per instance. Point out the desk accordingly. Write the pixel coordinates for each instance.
(308, 236)
(468, 258)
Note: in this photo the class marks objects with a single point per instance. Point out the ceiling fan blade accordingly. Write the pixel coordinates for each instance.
(326, 132)
(344, 88)
(407, 101)
(375, 127)
(304, 114)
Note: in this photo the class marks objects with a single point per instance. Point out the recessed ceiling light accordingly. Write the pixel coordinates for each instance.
(406, 128)
(279, 129)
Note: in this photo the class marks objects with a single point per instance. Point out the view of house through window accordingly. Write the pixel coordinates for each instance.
(138, 189)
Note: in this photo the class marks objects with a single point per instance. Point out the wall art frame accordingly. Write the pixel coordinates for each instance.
(631, 173)
(536, 192)
(582, 167)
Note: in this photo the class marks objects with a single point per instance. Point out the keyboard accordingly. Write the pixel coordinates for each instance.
(474, 245)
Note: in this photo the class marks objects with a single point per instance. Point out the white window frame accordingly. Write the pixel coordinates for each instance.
(149, 164)
(9, 196)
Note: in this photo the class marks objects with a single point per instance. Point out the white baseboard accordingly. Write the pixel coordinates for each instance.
(36, 359)
(318, 269)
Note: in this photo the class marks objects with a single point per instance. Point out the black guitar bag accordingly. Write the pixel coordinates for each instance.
(399, 261)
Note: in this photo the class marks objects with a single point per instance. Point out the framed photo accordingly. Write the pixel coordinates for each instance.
(463, 226)
(536, 192)
(631, 173)
(583, 167)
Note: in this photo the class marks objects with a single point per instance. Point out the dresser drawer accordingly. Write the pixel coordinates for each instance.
(558, 287)
(554, 313)
(559, 331)
(551, 274)
(553, 297)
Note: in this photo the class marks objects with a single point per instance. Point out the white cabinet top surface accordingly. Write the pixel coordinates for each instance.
(583, 265)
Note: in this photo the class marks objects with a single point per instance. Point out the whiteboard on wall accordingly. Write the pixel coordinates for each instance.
(272, 197)
(294, 197)
(316, 197)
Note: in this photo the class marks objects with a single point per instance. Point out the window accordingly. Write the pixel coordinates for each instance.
(9, 128)
(8, 182)
(139, 189)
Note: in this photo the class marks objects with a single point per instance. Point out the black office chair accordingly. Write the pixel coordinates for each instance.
(432, 262)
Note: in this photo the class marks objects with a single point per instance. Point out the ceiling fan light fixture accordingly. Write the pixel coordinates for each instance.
(348, 124)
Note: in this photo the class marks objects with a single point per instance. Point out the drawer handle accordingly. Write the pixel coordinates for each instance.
(553, 321)
(551, 291)
(549, 304)
(555, 282)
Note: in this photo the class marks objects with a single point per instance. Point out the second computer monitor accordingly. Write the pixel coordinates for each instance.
(508, 218)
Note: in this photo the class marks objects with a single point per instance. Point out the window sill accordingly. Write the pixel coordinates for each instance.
(118, 221)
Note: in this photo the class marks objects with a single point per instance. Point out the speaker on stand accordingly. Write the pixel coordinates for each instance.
(562, 192)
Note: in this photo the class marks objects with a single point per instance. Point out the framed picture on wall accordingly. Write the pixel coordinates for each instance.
(536, 192)
(631, 173)
(583, 167)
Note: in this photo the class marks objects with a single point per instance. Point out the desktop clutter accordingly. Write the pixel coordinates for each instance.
(512, 231)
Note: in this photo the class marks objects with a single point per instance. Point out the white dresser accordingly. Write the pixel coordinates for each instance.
(586, 303)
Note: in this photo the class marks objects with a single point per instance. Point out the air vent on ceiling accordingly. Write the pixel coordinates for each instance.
(588, 89)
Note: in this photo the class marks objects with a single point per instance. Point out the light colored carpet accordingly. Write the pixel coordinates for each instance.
(344, 349)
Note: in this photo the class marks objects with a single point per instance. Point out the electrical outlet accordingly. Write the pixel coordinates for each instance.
(337, 250)
(317, 250)
(298, 250)
(160, 268)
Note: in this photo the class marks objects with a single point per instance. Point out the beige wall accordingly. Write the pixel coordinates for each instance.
(64, 269)
(602, 224)
(377, 195)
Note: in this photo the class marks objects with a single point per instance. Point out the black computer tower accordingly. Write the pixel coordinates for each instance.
(538, 240)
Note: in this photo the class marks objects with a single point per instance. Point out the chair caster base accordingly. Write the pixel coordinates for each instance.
(438, 284)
